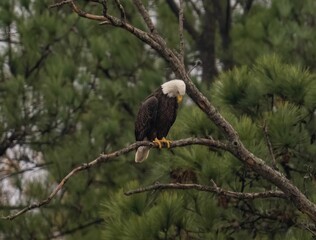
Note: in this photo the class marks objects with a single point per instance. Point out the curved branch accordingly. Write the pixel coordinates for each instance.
(213, 189)
(103, 158)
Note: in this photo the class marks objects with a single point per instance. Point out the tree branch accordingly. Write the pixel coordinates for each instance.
(59, 4)
(122, 11)
(175, 10)
(103, 158)
(39, 166)
(213, 189)
(144, 13)
(181, 39)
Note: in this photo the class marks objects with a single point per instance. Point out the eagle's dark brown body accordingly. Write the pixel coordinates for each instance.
(155, 117)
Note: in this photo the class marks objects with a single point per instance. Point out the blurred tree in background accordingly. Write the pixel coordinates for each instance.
(70, 89)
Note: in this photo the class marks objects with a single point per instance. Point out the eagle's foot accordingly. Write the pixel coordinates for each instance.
(158, 142)
(168, 142)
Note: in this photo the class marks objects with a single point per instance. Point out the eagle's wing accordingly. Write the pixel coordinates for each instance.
(146, 117)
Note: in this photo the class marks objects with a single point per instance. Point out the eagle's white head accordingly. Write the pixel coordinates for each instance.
(174, 88)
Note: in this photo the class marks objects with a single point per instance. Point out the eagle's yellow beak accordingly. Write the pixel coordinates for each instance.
(179, 98)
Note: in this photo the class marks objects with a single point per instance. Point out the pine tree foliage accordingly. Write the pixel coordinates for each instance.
(70, 90)
(253, 97)
(285, 27)
(64, 100)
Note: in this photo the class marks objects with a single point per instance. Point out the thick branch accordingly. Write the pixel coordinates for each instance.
(213, 189)
(103, 158)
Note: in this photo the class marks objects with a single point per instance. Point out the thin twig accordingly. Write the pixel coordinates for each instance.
(181, 38)
(120, 7)
(39, 166)
(196, 63)
(84, 14)
(59, 4)
(108, 19)
(187, 25)
(103, 158)
(307, 226)
(213, 189)
(266, 135)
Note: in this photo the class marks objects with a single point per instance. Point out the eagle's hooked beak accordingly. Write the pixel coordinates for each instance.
(179, 98)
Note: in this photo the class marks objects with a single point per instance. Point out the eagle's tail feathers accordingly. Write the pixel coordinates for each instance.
(142, 154)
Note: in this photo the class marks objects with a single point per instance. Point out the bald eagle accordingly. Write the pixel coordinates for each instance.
(156, 115)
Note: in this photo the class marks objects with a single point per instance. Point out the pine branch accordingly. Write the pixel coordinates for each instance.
(212, 189)
(104, 158)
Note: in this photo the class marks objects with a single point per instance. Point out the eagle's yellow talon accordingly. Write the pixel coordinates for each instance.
(158, 142)
(163, 140)
(168, 142)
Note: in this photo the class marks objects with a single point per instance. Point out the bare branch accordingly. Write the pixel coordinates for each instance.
(181, 38)
(190, 28)
(144, 13)
(196, 63)
(120, 7)
(103, 158)
(59, 4)
(108, 19)
(213, 189)
(39, 166)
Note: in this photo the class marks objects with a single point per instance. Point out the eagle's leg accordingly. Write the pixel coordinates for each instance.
(158, 142)
(164, 140)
